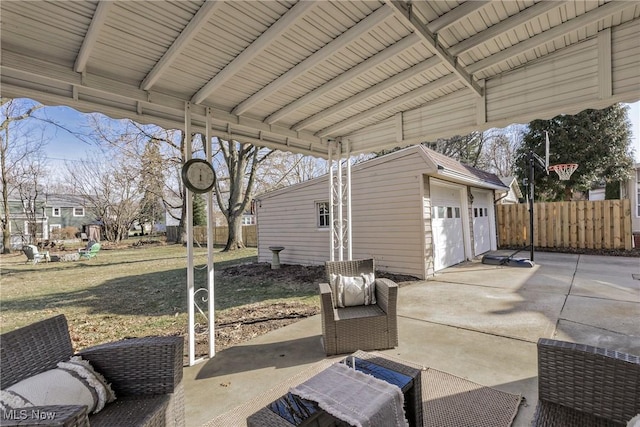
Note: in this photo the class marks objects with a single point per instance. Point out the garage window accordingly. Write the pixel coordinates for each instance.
(480, 212)
(446, 212)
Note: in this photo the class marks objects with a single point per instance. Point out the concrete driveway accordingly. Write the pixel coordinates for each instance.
(477, 321)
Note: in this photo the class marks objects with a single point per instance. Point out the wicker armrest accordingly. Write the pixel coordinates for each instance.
(326, 295)
(139, 366)
(64, 416)
(588, 379)
(386, 294)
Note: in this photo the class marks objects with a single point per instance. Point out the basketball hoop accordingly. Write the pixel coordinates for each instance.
(564, 170)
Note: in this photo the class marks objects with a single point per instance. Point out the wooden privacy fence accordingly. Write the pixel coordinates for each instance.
(220, 234)
(601, 224)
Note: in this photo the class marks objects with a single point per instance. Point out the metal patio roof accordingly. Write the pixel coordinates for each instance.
(298, 75)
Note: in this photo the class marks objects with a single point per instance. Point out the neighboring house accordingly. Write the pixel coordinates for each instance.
(21, 222)
(632, 191)
(414, 211)
(52, 212)
(515, 193)
(66, 210)
(597, 192)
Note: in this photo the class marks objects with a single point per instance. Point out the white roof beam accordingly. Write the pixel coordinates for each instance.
(549, 35)
(90, 39)
(456, 15)
(343, 78)
(274, 31)
(403, 10)
(205, 12)
(320, 55)
(504, 26)
(393, 103)
(368, 93)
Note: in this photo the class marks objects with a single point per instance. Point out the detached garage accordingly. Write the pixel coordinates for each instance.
(414, 211)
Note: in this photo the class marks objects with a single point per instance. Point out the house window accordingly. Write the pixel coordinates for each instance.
(55, 212)
(323, 214)
(78, 211)
(248, 220)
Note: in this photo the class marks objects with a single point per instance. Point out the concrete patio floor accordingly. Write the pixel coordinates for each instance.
(476, 321)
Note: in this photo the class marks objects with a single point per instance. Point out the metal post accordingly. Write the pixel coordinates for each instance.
(349, 233)
(332, 247)
(210, 247)
(189, 230)
(531, 191)
(340, 214)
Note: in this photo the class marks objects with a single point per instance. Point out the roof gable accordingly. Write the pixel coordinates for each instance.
(435, 164)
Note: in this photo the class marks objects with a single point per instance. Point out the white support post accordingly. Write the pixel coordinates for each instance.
(349, 247)
(189, 230)
(340, 228)
(210, 247)
(332, 248)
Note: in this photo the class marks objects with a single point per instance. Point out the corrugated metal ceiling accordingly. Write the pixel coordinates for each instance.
(292, 74)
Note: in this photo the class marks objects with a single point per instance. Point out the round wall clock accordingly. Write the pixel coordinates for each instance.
(198, 176)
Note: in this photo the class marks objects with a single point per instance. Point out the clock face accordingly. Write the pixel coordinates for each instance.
(198, 176)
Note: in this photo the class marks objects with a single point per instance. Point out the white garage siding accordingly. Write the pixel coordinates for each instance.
(427, 228)
(386, 216)
(289, 220)
(391, 212)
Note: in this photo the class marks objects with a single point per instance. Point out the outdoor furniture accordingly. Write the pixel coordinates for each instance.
(583, 385)
(33, 256)
(289, 410)
(145, 374)
(90, 252)
(366, 327)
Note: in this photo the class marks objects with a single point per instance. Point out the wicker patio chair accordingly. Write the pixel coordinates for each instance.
(145, 373)
(366, 327)
(580, 385)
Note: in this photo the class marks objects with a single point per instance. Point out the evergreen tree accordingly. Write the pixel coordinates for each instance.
(151, 206)
(597, 140)
(199, 211)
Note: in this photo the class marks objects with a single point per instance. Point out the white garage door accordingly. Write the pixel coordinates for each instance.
(481, 224)
(446, 225)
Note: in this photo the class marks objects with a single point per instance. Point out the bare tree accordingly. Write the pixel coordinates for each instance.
(133, 139)
(19, 146)
(500, 151)
(110, 191)
(283, 169)
(30, 188)
(235, 176)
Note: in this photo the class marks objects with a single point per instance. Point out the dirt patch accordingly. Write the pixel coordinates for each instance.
(298, 273)
(238, 325)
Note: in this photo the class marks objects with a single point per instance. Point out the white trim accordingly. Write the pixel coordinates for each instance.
(53, 212)
(328, 213)
(81, 215)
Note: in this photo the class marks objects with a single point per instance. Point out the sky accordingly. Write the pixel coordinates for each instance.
(64, 145)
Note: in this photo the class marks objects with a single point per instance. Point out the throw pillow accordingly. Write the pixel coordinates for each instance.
(351, 291)
(336, 289)
(73, 383)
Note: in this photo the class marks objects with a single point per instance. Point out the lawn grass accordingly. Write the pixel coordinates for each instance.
(131, 292)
